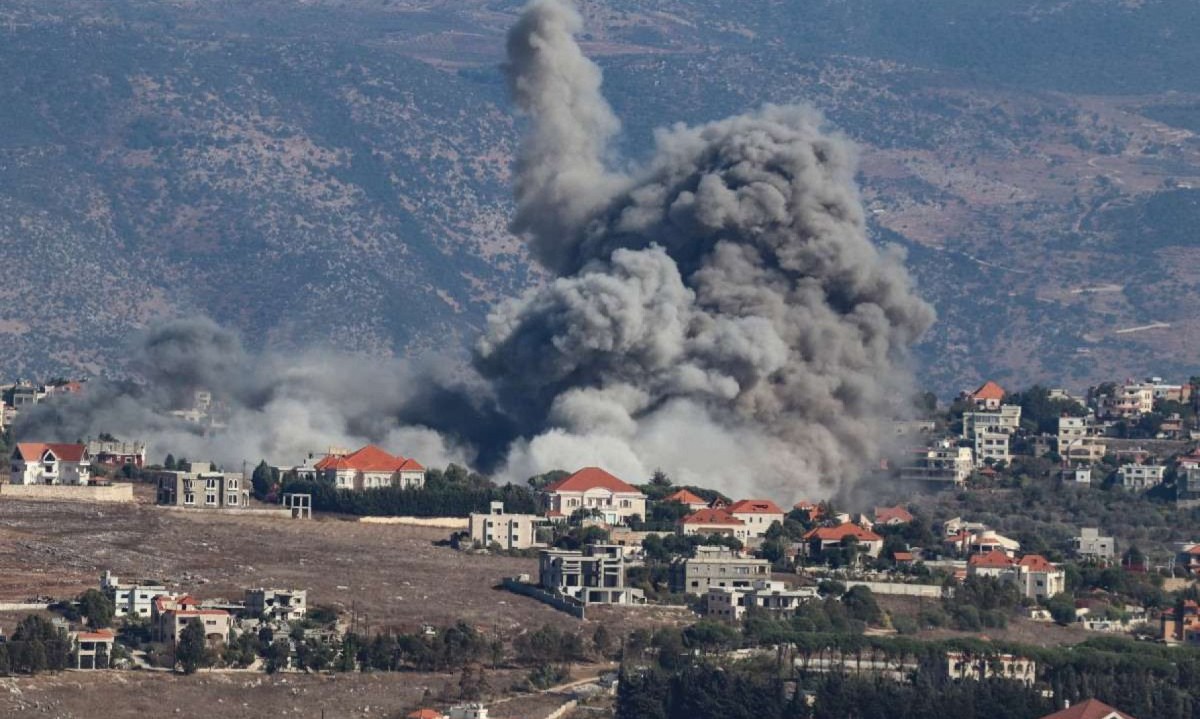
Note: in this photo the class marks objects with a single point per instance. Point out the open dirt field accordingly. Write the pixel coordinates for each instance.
(388, 575)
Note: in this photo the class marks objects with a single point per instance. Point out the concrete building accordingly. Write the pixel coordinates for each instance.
(774, 598)
(977, 667)
(117, 453)
(989, 396)
(943, 464)
(1188, 486)
(711, 520)
(1034, 576)
(50, 463)
(369, 468)
(1140, 477)
(757, 514)
(1129, 401)
(1091, 545)
(821, 539)
(993, 446)
(716, 567)
(1076, 475)
(282, 604)
(594, 490)
(510, 531)
(593, 576)
(1006, 418)
(201, 486)
(130, 600)
(93, 650)
(171, 615)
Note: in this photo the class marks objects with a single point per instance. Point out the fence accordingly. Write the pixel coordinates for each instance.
(933, 591)
(438, 522)
(515, 585)
(66, 493)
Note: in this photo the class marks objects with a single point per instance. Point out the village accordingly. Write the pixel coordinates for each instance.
(639, 569)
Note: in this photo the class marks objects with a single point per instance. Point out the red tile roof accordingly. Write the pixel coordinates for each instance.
(988, 390)
(708, 515)
(368, 459)
(840, 532)
(684, 496)
(1036, 563)
(888, 515)
(902, 556)
(591, 478)
(33, 451)
(100, 635)
(1090, 709)
(425, 714)
(994, 559)
(754, 506)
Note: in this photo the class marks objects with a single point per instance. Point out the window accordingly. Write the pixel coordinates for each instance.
(210, 499)
(232, 500)
(189, 498)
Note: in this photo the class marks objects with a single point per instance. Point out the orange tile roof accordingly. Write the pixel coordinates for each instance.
(100, 635)
(840, 532)
(1036, 563)
(1090, 709)
(902, 556)
(367, 459)
(591, 478)
(709, 515)
(988, 390)
(685, 496)
(885, 515)
(426, 714)
(994, 559)
(754, 506)
(33, 451)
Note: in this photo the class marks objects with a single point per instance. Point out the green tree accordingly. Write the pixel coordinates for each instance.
(191, 651)
(278, 655)
(96, 608)
(263, 480)
(169, 462)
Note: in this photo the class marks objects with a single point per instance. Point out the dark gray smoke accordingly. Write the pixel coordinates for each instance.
(720, 312)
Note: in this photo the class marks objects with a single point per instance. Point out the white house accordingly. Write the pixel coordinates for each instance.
(369, 468)
(731, 603)
(130, 600)
(943, 463)
(1139, 477)
(593, 489)
(50, 463)
(757, 514)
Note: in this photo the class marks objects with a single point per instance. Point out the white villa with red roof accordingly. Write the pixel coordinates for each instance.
(989, 396)
(758, 514)
(50, 463)
(823, 538)
(714, 520)
(369, 468)
(1035, 576)
(591, 488)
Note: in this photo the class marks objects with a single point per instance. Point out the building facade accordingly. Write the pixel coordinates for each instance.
(201, 487)
(510, 531)
(283, 604)
(594, 576)
(369, 467)
(130, 600)
(50, 463)
(716, 567)
(595, 491)
(1140, 477)
(774, 598)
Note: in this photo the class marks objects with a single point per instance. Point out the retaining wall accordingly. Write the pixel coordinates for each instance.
(247, 512)
(439, 522)
(66, 493)
(897, 588)
(530, 590)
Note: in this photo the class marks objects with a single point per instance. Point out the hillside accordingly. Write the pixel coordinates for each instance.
(334, 172)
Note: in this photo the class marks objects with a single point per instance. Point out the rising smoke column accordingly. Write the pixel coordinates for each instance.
(719, 312)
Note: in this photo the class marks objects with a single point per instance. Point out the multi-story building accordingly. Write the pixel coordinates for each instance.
(1007, 418)
(1090, 544)
(50, 463)
(943, 464)
(116, 453)
(757, 514)
(977, 667)
(711, 520)
(130, 600)
(1188, 486)
(593, 576)
(991, 446)
(821, 539)
(510, 531)
(201, 486)
(1140, 477)
(1034, 576)
(93, 650)
(594, 490)
(369, 468)
(716, 567)
(282, 604)
(1129, 401)
(773, 598)
(171, 615)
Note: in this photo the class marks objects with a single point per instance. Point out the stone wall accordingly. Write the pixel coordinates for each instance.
(64, 493)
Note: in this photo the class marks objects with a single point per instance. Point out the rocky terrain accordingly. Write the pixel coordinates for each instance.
(334, 172)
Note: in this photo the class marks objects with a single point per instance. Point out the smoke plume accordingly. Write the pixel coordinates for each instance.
(718, 312)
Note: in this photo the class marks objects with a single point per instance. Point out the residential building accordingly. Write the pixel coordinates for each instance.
(1187, 484)
(1035, 577)
(714, 521)
(1077, 475)
(592, 489)
(977, 667)
(1075, 433)
(1180, 624)
(1007, 418)
(1140, 477)
(170, 615)
(117, 453)
(988, 396)
(943, 464)
(995, 564)
(813, 509)
(1129, 401)
(1091, 545)
(1090, 709)
(130, 600)
(510, 531)
(593, 576)
(93, 650)
(283, 604)
(891, 516)
(819, 540)
(990, 541)
(50, 463)
(716, 567)
(773, 598)
(369, 467)
(201, 486)
(991, 448)
(689, 499)
(757, 514)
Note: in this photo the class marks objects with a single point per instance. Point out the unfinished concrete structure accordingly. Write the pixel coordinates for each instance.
(593, 576)
(716, 567)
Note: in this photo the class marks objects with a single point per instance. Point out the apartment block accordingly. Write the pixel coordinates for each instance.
(716, 567)
(510, 531)
(201, 486)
